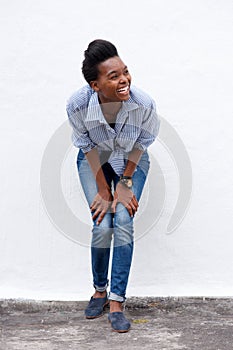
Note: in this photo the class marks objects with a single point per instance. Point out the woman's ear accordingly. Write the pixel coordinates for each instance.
(94, 85)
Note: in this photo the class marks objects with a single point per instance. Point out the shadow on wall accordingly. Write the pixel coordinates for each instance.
(72, 227)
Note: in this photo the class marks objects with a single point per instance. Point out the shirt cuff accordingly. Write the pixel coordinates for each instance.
(139, 146)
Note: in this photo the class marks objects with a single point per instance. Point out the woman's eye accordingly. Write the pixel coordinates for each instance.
(113, 76)
(126, 71)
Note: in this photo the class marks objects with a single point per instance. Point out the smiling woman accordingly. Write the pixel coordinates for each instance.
(113, 125)
(113, 83)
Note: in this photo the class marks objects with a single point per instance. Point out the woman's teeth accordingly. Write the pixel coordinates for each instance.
(123, 89)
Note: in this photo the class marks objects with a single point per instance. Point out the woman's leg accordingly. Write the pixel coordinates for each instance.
(123, 236)
(101, 234)
(122, 253)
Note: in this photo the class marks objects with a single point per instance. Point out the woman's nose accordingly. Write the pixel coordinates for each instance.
(123, 79)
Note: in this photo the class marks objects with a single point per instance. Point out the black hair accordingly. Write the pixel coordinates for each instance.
(98, 51)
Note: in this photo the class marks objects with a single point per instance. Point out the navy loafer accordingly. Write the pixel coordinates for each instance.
(118, 322)
(96, 307)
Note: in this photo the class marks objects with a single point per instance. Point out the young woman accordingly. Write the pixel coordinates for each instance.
(113, 124)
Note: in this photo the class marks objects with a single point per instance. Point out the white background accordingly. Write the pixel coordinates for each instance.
(181, 53)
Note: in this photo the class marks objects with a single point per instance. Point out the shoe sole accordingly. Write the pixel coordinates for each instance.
(93, 317)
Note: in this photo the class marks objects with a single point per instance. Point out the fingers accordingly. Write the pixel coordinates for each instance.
(114, 203)
(99, 208)
(99, 213)
(135, 204)
(127, 198)
(100, 218)
(131, 205)
(94, 204)
(96, 213)
(134, 200)
(98, 203)
(130, 211)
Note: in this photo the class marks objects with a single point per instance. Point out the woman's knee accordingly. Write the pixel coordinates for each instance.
(123, 227)
(122, 216)
(102, 233)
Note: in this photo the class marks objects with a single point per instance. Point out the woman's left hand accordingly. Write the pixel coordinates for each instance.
(125, 196)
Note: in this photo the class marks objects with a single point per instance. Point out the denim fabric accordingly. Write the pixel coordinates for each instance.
(118, 226)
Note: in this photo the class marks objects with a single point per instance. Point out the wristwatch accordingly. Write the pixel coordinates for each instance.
(126, 181)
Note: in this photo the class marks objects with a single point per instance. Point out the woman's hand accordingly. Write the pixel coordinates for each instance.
(125, 196)
(101, 203)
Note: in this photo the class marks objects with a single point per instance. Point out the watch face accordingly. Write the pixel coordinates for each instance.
(127, 182)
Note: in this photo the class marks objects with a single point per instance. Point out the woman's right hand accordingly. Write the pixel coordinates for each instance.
(101, 203)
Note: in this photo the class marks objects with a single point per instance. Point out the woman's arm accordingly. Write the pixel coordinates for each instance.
(103, 198)
(94, 162)
(81, 139)
(133, 160)
(124, 194)
(149, 131)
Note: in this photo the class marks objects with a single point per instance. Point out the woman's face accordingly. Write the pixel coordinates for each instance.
(113, 82)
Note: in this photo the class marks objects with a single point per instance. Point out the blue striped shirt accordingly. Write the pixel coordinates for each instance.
(137, 125)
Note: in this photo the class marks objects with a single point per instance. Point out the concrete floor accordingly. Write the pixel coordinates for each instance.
(157, 323)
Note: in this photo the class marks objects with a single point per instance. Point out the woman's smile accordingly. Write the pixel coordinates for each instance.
(124, 91)
(113, 82)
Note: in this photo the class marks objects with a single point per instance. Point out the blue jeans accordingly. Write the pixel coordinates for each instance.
(118, 226)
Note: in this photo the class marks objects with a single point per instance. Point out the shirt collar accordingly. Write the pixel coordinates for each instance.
(130, 105)
(95, 113)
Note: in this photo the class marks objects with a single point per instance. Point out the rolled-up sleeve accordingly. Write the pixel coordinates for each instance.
(80, 135)
(149, 128)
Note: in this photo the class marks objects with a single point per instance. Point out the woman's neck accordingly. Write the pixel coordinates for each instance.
(110, 110)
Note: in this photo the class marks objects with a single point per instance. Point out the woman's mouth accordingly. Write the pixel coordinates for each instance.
(123, 91)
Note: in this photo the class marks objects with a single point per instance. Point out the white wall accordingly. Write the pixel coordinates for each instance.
(181, 53)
